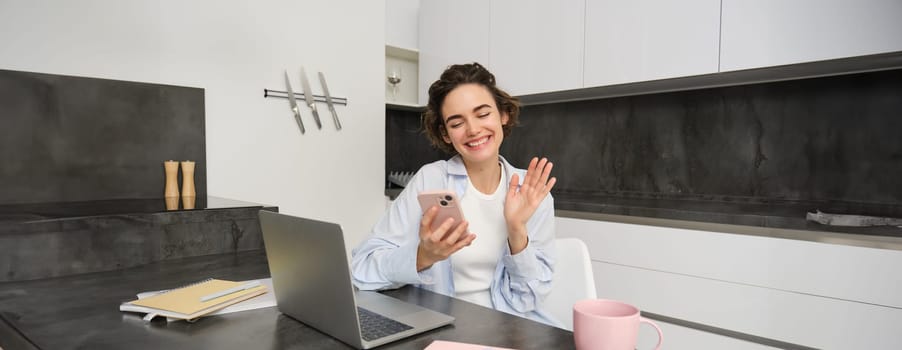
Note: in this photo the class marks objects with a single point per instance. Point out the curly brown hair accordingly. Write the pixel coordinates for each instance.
(454, 76)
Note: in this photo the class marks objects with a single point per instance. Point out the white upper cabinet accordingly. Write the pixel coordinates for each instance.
(401, 20)
(537, 46)
(451, 32)
(765, 33)
(630, 41)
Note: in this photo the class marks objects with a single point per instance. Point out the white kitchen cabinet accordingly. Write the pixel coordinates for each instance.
(631, 41)
(401, 20)
(537, 46)
(812, 294)
(679, 337)
(764, 33)
(451, 32)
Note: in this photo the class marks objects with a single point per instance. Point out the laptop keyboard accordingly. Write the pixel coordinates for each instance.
(375, 326)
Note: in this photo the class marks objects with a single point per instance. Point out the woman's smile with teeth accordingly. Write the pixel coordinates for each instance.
(479, 142)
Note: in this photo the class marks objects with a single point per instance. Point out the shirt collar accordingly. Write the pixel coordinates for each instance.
(456, 166)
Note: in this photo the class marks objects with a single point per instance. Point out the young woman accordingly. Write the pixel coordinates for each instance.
(502, 255)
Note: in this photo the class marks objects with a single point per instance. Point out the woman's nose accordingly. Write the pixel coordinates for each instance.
(471, 128)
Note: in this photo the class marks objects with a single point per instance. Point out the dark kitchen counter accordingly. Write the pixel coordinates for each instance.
(57, 239)
(30, 212)
(781, 214)
(771, 217)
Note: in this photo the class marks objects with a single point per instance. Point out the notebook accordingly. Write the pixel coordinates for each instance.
(312, 281)
(258, 302)
(450, 345)
(195, 300)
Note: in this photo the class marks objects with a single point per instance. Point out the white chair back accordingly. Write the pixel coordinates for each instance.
(573, 280)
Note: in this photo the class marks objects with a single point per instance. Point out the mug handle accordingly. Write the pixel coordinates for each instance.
(660, 334)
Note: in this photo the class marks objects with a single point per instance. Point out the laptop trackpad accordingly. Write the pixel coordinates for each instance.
(385, 305)
(410, 314)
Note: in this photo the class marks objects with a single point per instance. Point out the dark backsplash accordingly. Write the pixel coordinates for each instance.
(823, 139)
(831, 140)
(406, 147)
(70, 139)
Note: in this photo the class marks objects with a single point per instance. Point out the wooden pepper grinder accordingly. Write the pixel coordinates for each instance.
(171, 191)
(188, 193)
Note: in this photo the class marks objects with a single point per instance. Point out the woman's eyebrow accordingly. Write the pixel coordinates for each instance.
(481, 107)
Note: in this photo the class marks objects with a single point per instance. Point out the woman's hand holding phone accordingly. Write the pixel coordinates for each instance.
(443, 231)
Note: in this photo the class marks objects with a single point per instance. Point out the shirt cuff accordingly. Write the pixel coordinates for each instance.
(522, 265)
(404, 267)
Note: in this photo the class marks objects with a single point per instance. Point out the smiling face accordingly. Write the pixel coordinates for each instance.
(473, 124)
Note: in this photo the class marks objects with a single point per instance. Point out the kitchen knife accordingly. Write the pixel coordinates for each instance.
(308, 95)
(294, 104)
(322, 81)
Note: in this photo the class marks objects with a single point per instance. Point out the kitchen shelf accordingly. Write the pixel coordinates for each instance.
(404, 64)
(402, 53)
(400, 106)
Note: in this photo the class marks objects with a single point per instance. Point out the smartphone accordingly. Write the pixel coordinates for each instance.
(448, 206)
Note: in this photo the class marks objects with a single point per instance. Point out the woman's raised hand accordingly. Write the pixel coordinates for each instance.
(523, 200)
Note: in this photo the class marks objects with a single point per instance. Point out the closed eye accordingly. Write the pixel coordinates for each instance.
(454, 121)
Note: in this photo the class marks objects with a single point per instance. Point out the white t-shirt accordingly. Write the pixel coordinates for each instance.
(474, 266)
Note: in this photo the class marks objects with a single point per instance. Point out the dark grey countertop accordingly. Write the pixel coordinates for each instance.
(774, 217)
(46, 240)
(81, 312)
(31, 212)
(772, 213)
(60, 216)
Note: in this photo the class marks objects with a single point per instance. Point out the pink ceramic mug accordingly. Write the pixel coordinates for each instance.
(600, 324)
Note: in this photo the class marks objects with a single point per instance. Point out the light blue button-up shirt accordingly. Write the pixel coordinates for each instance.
(387, 258)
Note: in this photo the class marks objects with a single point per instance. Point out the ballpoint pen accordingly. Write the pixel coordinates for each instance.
(237, 289)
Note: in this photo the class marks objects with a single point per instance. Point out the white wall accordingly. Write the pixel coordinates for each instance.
(234, 50)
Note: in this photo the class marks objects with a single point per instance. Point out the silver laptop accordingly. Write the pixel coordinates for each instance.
(312, 281)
